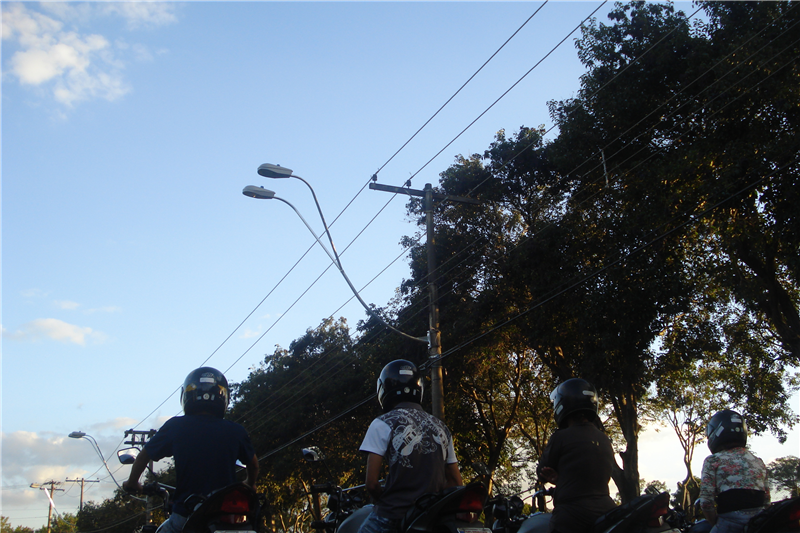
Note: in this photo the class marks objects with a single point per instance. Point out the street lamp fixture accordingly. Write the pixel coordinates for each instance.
(82, 435)
(261, 193)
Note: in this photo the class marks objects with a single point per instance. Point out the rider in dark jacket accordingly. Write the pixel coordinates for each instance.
(204, 445)
(578, 459)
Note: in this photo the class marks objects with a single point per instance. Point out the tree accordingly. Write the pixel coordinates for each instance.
(298, 391)
(5, 527)
(784, 474)
(118, 514)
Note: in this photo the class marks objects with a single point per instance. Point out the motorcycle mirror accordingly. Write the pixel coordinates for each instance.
(127, 456)
(480, 468)
(312, 454)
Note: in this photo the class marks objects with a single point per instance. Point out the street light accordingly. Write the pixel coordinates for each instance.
(82, 435)
(261, 193)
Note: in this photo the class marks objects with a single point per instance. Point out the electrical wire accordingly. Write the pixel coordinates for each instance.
(621, 259)
(359, 192)
(365, 228)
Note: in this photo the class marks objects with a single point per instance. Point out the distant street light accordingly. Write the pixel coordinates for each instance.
(82, 435)
(52, 488)
(261, 193)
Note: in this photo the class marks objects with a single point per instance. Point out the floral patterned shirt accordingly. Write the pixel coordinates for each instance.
(736, 468)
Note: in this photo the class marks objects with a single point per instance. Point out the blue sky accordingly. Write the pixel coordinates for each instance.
(129, 130)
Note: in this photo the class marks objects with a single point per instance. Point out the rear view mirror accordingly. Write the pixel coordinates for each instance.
(128, 455)
(312, 454)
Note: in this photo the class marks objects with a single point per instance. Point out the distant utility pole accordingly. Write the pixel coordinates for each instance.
(82, 482)
(138, 439)
(434, 334)
(41, 486)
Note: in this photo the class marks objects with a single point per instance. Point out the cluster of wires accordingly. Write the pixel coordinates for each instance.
(456, 265)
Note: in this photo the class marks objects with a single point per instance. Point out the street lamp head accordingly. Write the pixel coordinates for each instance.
(274, 171)
(77, 435)
(261, 193)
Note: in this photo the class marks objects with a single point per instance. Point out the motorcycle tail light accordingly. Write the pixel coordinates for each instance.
(793, 518)
(235, 502)
(470, 507)
(659, 510)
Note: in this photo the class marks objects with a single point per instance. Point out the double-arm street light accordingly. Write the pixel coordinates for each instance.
(433, 338)
(82, 435)
(261, 193)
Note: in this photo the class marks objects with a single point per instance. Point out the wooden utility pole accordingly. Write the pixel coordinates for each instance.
(41, 486)
(434, 334)
(82, 482)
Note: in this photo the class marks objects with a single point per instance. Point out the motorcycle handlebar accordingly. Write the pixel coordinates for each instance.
(157, 489)
(320, 488)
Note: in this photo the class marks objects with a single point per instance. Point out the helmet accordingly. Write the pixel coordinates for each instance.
(205, 390)
(726, 429)
(400, 381)
(575, 395)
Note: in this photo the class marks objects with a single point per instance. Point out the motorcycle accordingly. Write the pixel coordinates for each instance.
(230, 509)
(453, 510)
(645, 514)
(509, 518)
(341, 502)
(780, 517)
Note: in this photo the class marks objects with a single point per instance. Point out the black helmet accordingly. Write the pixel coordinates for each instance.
(205, 390)
(573, 396)
(726, 429)
(400, 381)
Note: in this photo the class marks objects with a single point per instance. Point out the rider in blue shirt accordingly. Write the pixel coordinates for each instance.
(204, 445)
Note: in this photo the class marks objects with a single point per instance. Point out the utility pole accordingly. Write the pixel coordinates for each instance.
(82, 482)
(41, 486)
(138, 439)
(434, 333)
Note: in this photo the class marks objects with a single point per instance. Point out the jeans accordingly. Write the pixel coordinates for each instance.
(378, 524)
(734, 521)
(173, 524)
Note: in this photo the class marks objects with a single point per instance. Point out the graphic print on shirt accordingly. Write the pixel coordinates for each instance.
(414, 432)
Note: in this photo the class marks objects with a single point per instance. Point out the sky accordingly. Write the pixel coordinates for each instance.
(129, 254)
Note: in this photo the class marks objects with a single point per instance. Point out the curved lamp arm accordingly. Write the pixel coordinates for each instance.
(266, 194)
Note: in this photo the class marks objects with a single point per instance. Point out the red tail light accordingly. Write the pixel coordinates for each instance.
(659, 510)
(236, 503)
(470, 507)
(794, 516)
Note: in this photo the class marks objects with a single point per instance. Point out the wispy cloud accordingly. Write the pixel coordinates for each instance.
(66, 304)
(75, 66)
(55, 329)
(143, 14)
(249, 334)
(104, 309)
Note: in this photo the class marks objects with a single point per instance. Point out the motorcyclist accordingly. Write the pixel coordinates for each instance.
(734, 485)
(578, 459)
(204, 445)
(417, 447)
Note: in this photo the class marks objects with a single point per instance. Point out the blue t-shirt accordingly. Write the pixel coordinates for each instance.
(205, 449)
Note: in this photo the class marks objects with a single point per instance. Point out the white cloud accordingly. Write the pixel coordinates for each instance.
(33, 293)
(66, 304)
(249, 334)
(104, 309)
(139, 14)
(76, 66)
(73, 63)
(55, 329)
